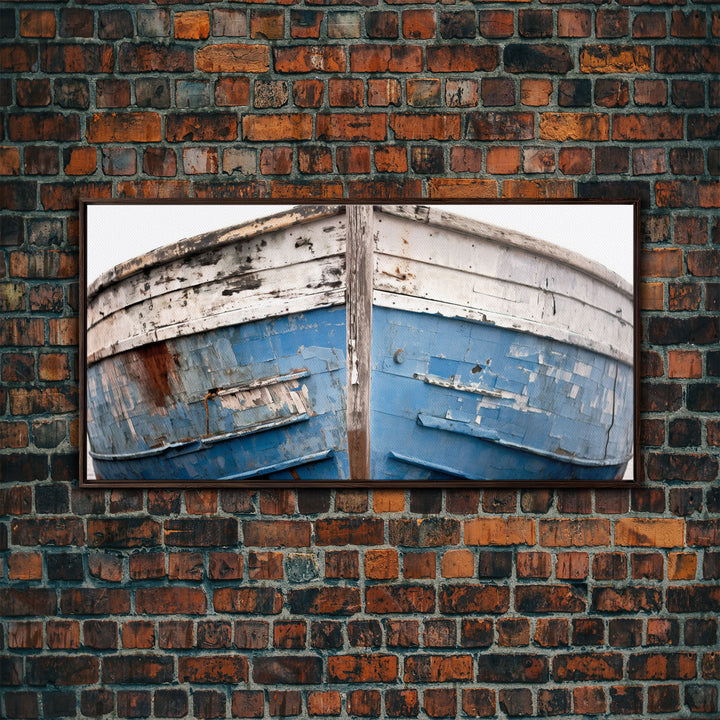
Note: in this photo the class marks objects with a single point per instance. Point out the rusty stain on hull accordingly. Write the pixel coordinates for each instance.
(153, 367)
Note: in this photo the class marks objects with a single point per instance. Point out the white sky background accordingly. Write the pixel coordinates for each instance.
(118, 232)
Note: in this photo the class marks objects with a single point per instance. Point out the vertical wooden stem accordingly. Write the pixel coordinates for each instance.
(359, 337)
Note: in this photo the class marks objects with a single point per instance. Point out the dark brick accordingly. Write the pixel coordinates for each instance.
(115, 24)
(458, 24)
(545, 58)
(535, 23)
(495, 564)
(574, 93)
(65, 566)
(512, 668)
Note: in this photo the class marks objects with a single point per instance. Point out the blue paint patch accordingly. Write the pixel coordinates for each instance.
(510, 416)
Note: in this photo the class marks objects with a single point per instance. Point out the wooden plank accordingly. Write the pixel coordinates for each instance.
(359, 337)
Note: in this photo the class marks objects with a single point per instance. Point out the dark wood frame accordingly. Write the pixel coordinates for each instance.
(517, 484)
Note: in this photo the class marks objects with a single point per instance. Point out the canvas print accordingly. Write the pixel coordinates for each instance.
(366, 343)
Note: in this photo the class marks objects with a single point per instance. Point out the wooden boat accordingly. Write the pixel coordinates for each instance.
(397, 343)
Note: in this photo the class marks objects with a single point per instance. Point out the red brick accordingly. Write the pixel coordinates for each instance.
(63, 635)
(308, 92)
(290, 669)
(383, 92)
(95, 601)
(30, 601)
(440, 702)
(587, 666)
(646, 532)
(276, 533)
(213, 669)
(461, 599)
(385, 58)
(248, 703)
(419, 565)
(363, 703)
(267, 24)
(48, 531)
(353, 160)
(351, 127)
(574, 126)
(418, 24)
(251, 600)
(649, 25)
(170, 600)
(43, 126)
(684, 364)
(399, 599)
(462, 58)
(324, 703)
(438, 668)
(661, 126)
(232, 91)
(25, 635)
(478, 702)
(310, 59)
(325, 601)
(124, 127)
(496, 23)
(574, 23)
(575, 160)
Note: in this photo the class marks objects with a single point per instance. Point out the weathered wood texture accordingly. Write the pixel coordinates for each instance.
(360, 245)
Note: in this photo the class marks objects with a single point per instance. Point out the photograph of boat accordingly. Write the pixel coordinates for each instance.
(361, 343)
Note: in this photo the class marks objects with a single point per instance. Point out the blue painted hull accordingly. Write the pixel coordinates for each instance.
(262, 400)
(450, 399)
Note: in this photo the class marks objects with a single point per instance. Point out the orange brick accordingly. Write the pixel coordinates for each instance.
(615, 59)
(652, 295)
(682, 566)
(234, 58)
(661, 262)
(381, 564)
(80, 160)
(124, 127)
(192, 25)
(25, 566)
(684, 364)
(574, 533)
(649, 532)
(457, 563)
(500, 531)
(575, 126)
(456, 188)
(37, 23)
(388, 500)
(535, 93)
(503, 160)
(324, 702)
(9, 161)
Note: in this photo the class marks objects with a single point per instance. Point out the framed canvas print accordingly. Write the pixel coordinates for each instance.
(366, 344)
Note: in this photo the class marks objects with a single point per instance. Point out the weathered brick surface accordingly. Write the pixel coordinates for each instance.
(250, 604)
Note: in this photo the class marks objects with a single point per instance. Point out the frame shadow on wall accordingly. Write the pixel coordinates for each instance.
(367, 344)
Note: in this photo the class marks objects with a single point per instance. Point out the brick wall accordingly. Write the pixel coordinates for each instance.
(352, 603)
